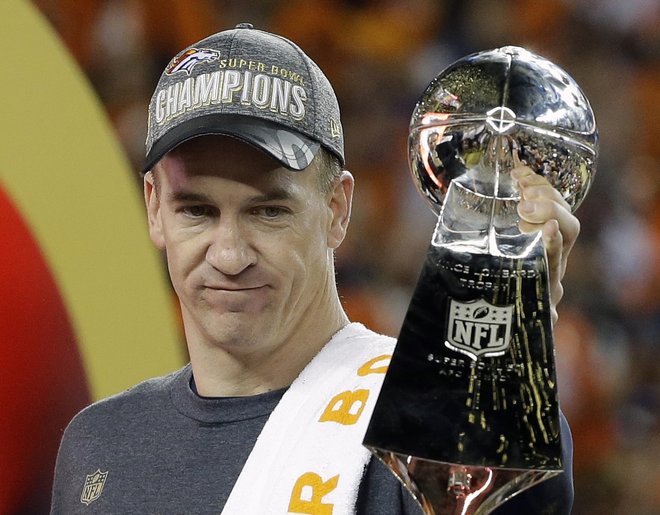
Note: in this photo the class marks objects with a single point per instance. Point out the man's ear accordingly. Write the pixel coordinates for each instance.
(341, 201)
(152, 201)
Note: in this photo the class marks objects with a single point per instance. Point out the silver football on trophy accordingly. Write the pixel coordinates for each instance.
(494, 110)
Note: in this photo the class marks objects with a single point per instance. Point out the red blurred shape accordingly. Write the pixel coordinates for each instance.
(42, 380)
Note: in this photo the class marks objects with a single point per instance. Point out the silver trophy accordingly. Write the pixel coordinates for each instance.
(468, 414)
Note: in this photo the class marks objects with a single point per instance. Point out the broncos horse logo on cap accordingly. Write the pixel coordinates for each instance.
(187, 61)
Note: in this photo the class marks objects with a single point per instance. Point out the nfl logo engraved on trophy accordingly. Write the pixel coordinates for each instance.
(93, 487)
(478, 328)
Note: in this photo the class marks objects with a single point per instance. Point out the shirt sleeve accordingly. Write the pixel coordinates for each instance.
(381, 492)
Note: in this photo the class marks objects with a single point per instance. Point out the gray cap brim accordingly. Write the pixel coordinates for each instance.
(294, 150)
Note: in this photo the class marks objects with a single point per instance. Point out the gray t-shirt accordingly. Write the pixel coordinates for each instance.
(159, 448)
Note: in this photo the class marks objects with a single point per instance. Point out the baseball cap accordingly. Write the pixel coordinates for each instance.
(249, 84)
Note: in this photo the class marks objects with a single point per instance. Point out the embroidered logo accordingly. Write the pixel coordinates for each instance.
(93, 487)
(187, 61)
(335, 128)
(479, 328)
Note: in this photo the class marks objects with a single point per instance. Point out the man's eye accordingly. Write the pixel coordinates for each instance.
(195, 211)
(270, 211)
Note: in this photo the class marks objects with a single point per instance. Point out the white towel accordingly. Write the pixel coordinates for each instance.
(309, 457)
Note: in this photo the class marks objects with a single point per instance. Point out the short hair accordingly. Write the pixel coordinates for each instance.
(328, 168)
(154, 179)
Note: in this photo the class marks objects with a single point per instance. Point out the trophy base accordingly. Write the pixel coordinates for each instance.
(448, 488)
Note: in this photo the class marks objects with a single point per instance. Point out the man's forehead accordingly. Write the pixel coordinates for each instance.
(186, 170)
(218, 149)
(220, 156)
(202, 160)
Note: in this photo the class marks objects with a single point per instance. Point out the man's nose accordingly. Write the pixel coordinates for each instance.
(229, 251)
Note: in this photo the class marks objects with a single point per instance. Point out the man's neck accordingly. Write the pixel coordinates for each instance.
(222, 372)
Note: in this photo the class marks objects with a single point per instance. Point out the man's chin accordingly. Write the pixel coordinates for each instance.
(237, 331)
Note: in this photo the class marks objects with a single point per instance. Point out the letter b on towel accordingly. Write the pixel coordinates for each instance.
(342, 408)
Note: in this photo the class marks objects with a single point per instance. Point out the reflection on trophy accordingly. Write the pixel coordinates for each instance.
(468, 414)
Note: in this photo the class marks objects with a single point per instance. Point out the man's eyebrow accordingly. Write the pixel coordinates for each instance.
(193, 196)
(271, 195)
(189, 196)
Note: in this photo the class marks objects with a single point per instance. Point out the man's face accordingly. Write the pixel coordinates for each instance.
(248, 242)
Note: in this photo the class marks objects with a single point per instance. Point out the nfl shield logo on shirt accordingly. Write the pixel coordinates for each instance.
(93, 487)
(479, 328)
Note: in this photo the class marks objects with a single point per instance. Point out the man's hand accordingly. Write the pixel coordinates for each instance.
(542, 208)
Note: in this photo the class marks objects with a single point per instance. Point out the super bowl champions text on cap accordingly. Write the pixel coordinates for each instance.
(236, 81)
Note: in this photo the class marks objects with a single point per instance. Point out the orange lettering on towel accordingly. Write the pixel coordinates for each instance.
(369, 368)
(340, 408)
(312, 487)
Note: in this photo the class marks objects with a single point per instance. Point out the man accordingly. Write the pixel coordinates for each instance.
(246, 194)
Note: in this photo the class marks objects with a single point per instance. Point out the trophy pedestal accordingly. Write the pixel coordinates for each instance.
(468, 413)
(450, 489)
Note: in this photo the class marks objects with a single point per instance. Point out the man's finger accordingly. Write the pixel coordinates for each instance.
(541, 202)
(553, 242)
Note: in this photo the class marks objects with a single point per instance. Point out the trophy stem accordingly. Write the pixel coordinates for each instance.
(454, 489)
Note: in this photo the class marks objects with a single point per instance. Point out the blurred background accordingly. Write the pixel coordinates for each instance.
(380, 55)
